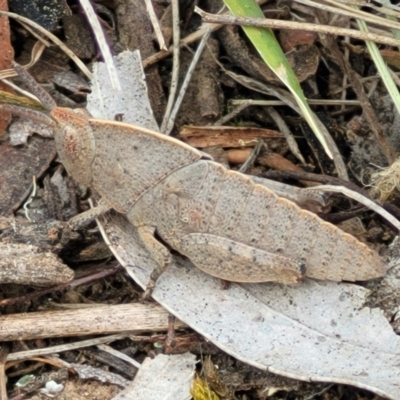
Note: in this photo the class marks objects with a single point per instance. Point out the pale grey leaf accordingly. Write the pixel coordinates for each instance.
(166, 377)
(131, 103)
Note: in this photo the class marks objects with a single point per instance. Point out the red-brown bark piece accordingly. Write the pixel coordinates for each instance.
(6, 56)
(226, 136)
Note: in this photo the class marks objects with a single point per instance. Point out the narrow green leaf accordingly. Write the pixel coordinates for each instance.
(381, 66)
(268, 47)
(9, 98)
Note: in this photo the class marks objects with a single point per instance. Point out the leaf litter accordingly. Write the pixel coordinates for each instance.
(274, 327)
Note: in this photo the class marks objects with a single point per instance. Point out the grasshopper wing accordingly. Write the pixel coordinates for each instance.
(130, 160)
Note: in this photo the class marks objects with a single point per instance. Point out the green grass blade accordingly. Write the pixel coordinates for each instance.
(380, 65)
(12, 99)
(269, 49)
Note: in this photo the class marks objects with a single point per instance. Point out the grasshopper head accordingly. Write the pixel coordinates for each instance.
(75, 143)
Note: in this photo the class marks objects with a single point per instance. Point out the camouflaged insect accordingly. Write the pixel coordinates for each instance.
(224, 223)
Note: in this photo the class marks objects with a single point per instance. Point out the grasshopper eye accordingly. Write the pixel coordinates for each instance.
(71, 143)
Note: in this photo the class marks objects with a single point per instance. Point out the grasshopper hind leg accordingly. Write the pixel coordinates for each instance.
(234, 261)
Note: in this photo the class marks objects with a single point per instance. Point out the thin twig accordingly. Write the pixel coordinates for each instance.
(309, 176)
(53, 38)
(175, 69)
(289, 100)
(186, 82)
(30, 199)
(343, 9)
(280, 24)
(25, 93)
(242, 106)
(70, 285)
(20, 355)
(386, 8)
(344, 79)
(36, 53)
(34, 34)
(119, 354)
(101, 41)
(361, 199)
(270, 103)
(156, 25)
(394, 77)
(3, 380)
(193, 37)
(286, 132)
(354, 79)
(329, 180)
(342, 216)
(252, 157)
(325, 389)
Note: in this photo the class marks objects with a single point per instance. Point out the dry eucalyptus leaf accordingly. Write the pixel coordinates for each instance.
(174, 375)
(131, 103)
(316, 332)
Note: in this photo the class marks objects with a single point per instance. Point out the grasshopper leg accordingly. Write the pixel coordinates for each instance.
(234, 261)
(160, 253)
(83, 219)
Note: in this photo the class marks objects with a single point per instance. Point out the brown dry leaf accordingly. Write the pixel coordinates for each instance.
(278, 162)
(392, 57)
(289, 39)
(213, 378)
(226, 136)
(238, 156)
(304, 61)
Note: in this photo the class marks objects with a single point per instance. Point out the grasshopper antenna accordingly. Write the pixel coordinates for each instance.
(34, 87)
